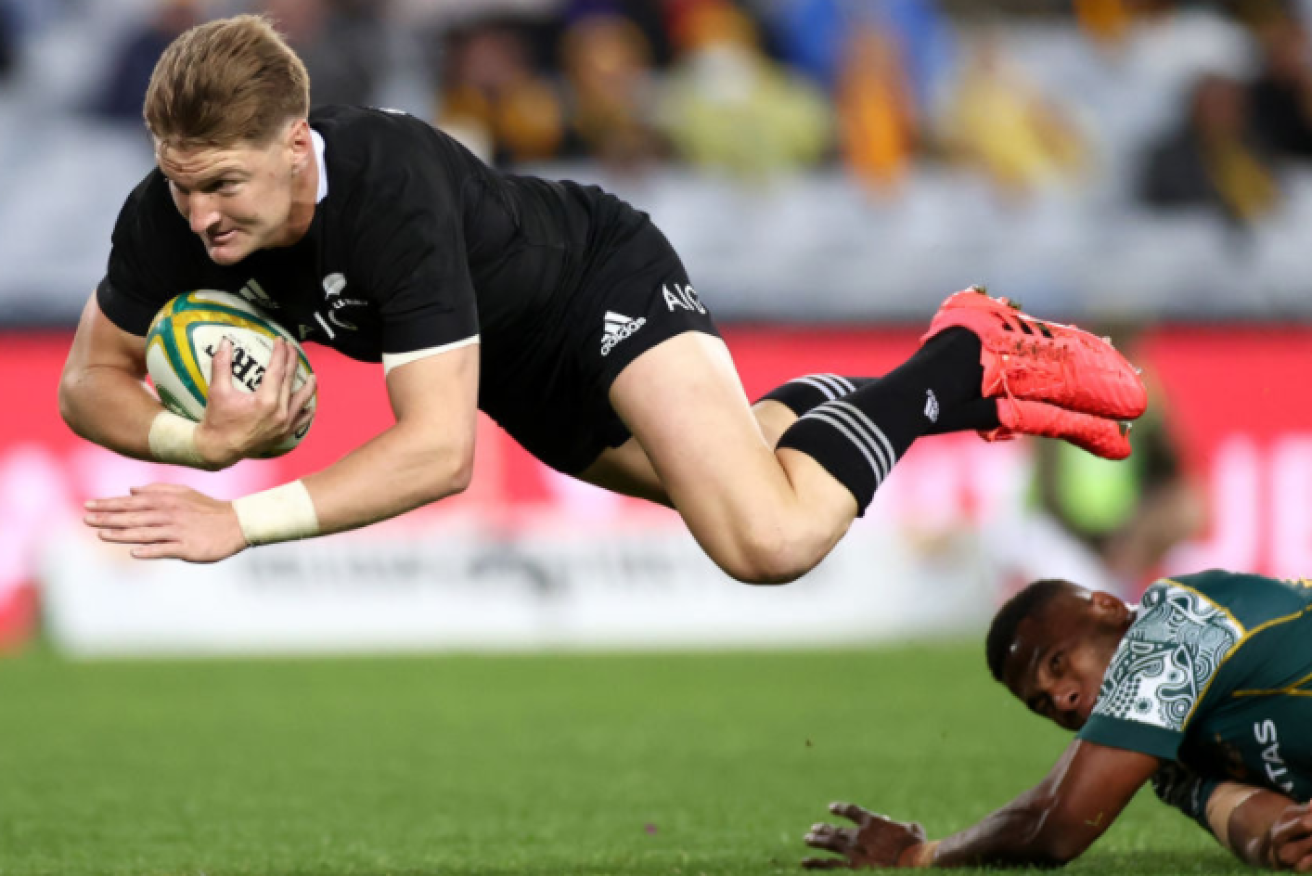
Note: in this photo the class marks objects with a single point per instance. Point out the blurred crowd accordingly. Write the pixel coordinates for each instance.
(760, 87)
(1173, 106)
(756, 87)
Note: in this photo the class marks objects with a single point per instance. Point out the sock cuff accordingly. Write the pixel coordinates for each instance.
(801, 394)
(861, 431)
(848, 445)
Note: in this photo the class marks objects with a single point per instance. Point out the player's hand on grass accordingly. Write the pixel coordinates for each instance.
(876, 841)
(1289, 842)
(239, 424)
(168, 521)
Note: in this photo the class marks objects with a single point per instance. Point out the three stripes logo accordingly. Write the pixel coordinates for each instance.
(618, 327)
(253, 292)
(1027, 326)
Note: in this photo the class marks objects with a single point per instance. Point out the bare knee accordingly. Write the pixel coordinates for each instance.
(764, 552)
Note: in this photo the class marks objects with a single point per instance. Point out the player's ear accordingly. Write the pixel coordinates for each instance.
(299, 143)
(1107, 606)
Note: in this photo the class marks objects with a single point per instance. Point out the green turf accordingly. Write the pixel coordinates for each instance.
(533, 764)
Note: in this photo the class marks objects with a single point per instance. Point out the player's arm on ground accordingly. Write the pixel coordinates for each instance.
(1266, 829)
(1049, 825)
(1262, 827)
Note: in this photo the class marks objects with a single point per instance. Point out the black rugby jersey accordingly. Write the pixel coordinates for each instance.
(417, 244)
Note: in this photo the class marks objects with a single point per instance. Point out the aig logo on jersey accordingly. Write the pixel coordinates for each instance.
(682, 297)
(618, 328)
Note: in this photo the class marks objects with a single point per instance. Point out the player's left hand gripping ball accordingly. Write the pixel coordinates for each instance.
(184, 341)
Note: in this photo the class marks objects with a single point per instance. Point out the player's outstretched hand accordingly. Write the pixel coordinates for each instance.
(1289, 842)
(239, 424)
(876, 841)
(168, 521)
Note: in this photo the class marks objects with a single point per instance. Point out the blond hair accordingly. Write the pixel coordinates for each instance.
(225, 82)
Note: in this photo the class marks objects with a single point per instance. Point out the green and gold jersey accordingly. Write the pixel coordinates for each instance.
(1215, 673)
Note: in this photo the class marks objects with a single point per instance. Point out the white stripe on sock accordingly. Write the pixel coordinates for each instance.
(844, 385)
(862, 426)
(860, 444)
(829, 392)
(879, 433)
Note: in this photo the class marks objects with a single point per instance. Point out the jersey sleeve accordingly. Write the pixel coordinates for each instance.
(410, 248)
(136, 284)
(1161, 671)
(1178, 786)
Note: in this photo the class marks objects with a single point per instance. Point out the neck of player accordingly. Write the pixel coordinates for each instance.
(305, 190)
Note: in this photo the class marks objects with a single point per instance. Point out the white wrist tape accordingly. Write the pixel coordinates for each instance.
(284, 513)
(1227, 797)
(173, 439)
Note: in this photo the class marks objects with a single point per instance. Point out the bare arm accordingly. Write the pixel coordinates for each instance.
(1047, 826)
(425, 455)
(1261, 827)
(428, 454)
(102, 394)
(1062, 816)
(1268, 829)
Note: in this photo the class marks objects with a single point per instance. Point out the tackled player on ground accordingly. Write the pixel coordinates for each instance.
(1204, 689)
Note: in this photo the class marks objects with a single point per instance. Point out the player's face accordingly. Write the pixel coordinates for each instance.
(1060, 656)
(244, 197)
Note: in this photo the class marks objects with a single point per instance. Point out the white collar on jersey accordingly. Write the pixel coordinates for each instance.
(317, 139)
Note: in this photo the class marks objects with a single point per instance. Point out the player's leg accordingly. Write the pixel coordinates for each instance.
(759, 521)
(626, 469)
(640, 335)
(770, 514)
(767, 515)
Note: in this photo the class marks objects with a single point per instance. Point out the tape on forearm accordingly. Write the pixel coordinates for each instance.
(173, 440)
(925, 854)
(1227, 797)
(284, 513)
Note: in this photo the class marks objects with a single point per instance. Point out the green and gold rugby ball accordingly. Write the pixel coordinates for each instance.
(185, 335)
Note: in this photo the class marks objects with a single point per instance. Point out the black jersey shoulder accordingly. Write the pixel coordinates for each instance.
(385, 153)
(417, 244)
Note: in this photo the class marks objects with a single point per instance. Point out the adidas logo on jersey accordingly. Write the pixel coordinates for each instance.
(618, 327)
(931, 406)
(255, 294)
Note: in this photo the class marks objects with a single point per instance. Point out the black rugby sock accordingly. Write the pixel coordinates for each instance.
(801, 394)
(858, 438)
(976, 415)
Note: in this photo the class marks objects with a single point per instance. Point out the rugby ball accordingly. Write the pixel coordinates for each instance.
(185, 335)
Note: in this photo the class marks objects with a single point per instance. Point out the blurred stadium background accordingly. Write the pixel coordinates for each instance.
(829, 170)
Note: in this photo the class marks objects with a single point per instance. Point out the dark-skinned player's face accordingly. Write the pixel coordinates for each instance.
(238, 198)
(1056, 664)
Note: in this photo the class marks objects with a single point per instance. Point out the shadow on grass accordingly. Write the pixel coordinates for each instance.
(1121, 863)
(619, 867)
(1161, 863)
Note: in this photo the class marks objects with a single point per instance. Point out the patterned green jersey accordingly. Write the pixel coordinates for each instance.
(1215, 673)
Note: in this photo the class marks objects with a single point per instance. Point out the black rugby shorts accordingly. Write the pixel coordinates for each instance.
(633, 294)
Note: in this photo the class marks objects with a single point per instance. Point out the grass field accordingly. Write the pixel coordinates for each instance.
(548, 764)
